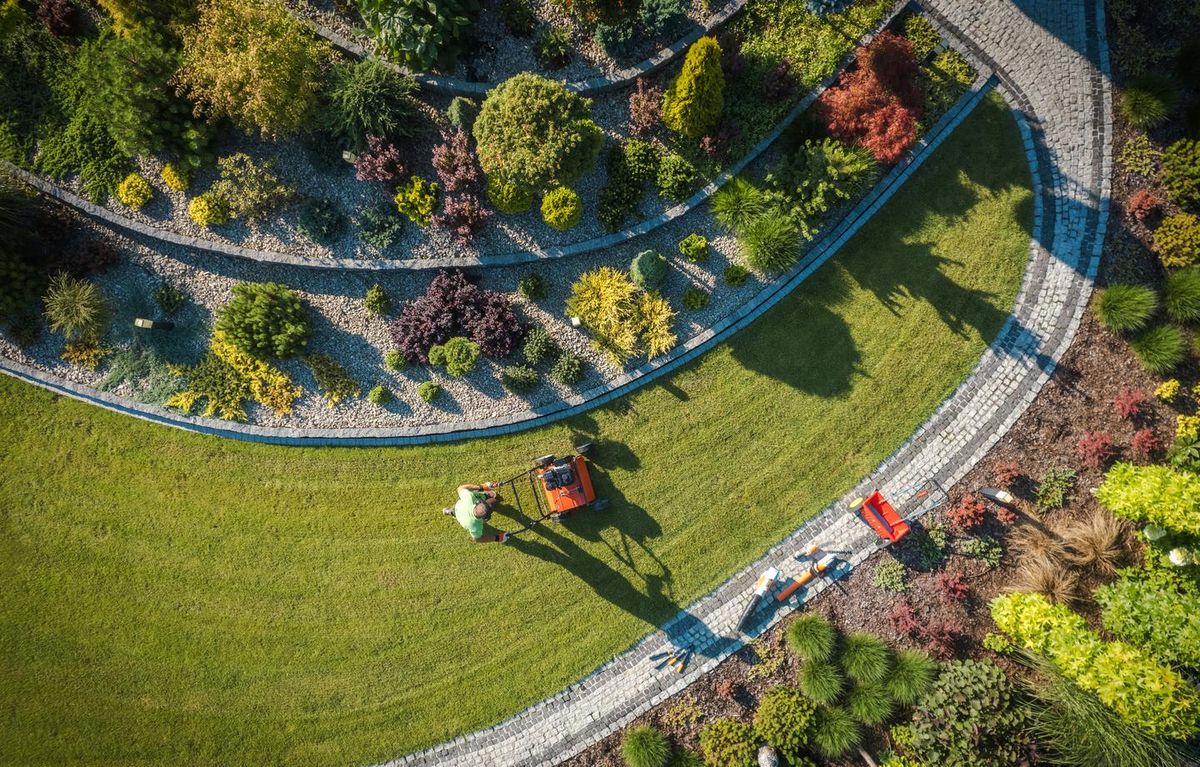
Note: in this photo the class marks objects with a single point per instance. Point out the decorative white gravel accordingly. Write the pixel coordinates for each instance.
(344, 330)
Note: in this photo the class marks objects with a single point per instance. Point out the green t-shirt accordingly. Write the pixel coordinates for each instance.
(464, 512)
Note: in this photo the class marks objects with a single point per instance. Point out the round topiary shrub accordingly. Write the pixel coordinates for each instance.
(970, 717)
(870, 703)
(1181, 172)
(728, 743)
(379, 395)
(1177, 240)
(265, 320)
(676, 177)
(508, 198)
(692, 105)
(538, 345)
(459, 355)
(783, 719)
(866, 657)
(648, 269)
(694, 248)
(394, 360)
(429, 391)
(1126, 307)
(912, 673)
(536, 134)
(562, 209)
(645, 746)
(695, 299)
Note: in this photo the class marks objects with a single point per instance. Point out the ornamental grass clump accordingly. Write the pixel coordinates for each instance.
(76, 308)
(1177, 241)
(737, 204)
(865, 657)
(534, 133)
(1160, 349)
(770, 243)
(1126, 307)
(1045, 574)
(834, 732)
(1148, 100)
(1074, 729)
(870, 703)
(644, 746)
(365, 98)
(811, 637)
(1181, 296)
(1141, 690)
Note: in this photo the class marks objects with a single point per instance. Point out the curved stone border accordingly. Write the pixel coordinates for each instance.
(452, 86)
(1070, 158)
(123, 222)
(694, 347)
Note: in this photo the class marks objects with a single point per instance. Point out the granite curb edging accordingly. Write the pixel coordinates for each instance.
(120, 221)
(738, 318)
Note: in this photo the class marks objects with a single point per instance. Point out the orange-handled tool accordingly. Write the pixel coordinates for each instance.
(814, 570)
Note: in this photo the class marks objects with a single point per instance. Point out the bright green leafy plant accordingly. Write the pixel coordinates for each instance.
(1140, 689)
(728, 743)
(421, 35)
(1156, 494)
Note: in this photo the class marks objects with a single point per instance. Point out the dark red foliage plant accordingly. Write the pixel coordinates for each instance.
(941, 638)
(718, 144)
(878, 104)
(454, 163)
(1143, 204)
(61, 17)
(1095, 449)
(1130, 403)
(381, 162)
(1006, 473)
(967, 514)
(455, 306)
(645, 108)
(463, 215)
(726, 689)
(905, 621)
(1145, 444)
(951, 587)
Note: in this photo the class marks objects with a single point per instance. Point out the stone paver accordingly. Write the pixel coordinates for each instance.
(1051, 60)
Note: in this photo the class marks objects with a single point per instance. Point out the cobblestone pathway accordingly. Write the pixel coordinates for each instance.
(1052, 63)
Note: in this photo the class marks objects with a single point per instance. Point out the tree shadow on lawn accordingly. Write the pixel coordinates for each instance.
(811, 347)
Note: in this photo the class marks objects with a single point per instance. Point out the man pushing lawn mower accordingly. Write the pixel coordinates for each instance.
(473, 507)
(559, 486)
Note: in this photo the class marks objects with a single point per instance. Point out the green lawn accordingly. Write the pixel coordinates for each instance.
(175, 599)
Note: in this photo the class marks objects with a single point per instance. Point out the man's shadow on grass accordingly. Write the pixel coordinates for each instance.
(631, 576)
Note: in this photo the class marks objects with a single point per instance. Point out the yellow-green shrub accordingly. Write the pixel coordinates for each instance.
(208, 210)
(1157, 494)
(1140, 689)
(134, 191)
(417, 199)
(227, 376)
(1177, 241)
(561, 208)
(692, 105)
(175, 179)
(624, 320)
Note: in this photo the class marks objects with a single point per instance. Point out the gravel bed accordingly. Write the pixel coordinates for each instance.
(496, 54)
(344, 330)
(313, 168)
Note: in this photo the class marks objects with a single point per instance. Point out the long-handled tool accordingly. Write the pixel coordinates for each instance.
(677, 655)
(761, 587)
(815, 569)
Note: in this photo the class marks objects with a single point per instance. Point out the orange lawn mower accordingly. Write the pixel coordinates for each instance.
(559, 487)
